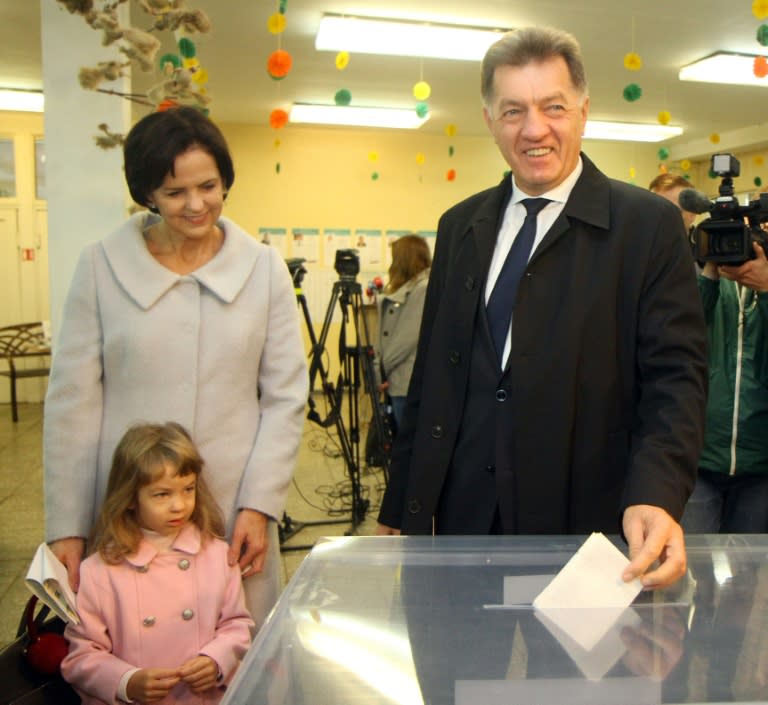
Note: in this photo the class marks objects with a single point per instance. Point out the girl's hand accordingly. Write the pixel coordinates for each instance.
(151, 684)
(70, 552)
(200, 673)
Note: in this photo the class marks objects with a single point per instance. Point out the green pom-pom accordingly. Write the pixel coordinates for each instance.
(762, 34)
(170, 59)
(277, 168)
(632, 92)
(342, 97)
(687, 177)
(422, 109)
(712, 174)
(283, 5)
(187, 48)
(758, 181)
(375, 176)
(663, 153)
(450, 151)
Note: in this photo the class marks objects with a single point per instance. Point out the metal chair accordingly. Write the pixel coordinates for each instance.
(21, 342)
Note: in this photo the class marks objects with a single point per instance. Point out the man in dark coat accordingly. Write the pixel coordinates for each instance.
(591, 416)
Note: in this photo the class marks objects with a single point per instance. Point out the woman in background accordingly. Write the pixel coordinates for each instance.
(400, 309)
(179, 315)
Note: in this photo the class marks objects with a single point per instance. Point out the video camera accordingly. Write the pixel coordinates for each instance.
(347, 264)
(297, 270)
(726, 237)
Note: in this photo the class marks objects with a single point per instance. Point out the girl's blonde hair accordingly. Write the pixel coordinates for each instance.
(140, 459)
(410, 256)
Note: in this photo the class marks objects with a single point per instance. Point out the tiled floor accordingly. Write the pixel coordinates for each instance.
(321, 492)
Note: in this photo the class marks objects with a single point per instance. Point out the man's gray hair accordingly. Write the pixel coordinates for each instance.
(532, 44)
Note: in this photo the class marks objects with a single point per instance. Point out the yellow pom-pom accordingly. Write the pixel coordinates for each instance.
(632, 172)
(759, 160)
(276, 23)
(685, 164)
(714, 138)
(420, 158)
(200, 77)
(191, 63)
(663, 169)
(760, 9)
(450, 130)
(277, 144)
(664, 117)
(373, 156)
(633, 62)
(421, 90)
(342, 60)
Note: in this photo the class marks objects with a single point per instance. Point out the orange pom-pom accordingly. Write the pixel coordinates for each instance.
(278, 118)
(166, 104)
(451, 175)
(279, 63)
(760, 67)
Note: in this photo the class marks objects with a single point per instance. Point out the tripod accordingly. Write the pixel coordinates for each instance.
(356, 371)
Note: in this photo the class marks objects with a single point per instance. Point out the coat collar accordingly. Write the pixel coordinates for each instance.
(188, 541)
(401, 294)
(146, 280)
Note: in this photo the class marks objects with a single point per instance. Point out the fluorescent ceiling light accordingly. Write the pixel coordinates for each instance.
(629, 131)
(404, 118)
(367, 35)
(27, 101)
(723, 67)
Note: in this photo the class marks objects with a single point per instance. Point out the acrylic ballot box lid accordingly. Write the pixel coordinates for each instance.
(449, 621)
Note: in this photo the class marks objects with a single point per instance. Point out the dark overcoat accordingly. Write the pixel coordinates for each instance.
(606, 374)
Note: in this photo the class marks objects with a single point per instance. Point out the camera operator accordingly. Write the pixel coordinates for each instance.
(731, 492)
(669, 186)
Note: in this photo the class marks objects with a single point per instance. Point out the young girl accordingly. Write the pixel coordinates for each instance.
(163, 616)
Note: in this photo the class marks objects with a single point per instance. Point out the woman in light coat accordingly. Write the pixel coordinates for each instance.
(179, 315)
(400, 309)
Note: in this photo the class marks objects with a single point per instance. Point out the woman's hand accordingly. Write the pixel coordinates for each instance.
(200, 673)
(149, 685)
(70, 552)
(249, 542)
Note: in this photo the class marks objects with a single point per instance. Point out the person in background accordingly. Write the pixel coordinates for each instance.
(731, 492)
(400, 308)
(669, 186)
(179, 315)
(162, 612)
(561, 391)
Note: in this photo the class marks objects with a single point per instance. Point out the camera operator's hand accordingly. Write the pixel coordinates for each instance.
(753, 273)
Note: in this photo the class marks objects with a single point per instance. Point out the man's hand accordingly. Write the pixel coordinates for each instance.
(151, 684)
(249, 542)
(753, 273)
(654, 649)
(200, 673)
(70, 552)
(383, 530)
(653, 535)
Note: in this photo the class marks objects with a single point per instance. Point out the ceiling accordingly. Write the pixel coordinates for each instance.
(666, 33)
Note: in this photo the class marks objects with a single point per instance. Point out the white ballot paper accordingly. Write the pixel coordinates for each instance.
(588, 596)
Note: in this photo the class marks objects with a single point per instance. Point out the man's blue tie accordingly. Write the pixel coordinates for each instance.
(502, 299)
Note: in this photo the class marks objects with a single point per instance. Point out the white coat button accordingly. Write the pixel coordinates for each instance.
(184, 564)
(187, 614)
(149, 621)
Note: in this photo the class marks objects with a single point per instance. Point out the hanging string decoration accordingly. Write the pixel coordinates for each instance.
(342, 60)
(450, 132)
(664, 117)
(342, 97)
(182, 79)
(632, 62)
(279, 65)
(760, 9)
(663, 153)
(373, 157)
(760, 67)
(632, 92)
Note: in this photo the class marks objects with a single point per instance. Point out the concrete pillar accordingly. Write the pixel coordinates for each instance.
(86, 189)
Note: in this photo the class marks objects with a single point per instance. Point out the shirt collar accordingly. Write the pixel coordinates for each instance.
(188, 541)
(146, 280)
(559, 194)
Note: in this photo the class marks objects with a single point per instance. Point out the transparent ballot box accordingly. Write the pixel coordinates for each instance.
(449, 621)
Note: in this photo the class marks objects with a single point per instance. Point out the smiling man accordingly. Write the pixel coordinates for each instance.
(559, 384)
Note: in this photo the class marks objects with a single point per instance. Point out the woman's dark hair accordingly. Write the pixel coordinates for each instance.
(154, 142)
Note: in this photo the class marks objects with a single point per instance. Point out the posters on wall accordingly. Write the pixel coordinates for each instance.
(275, 237)
(306, 244)
(334, 239)
(367, 242)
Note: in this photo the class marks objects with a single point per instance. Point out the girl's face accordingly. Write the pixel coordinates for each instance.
(190, 200)
(166, 504)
